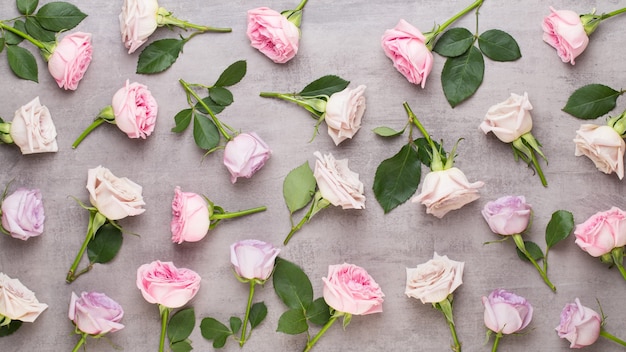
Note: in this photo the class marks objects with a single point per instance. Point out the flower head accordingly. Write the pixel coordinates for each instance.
(603, 145)
(245, 154)
(190, 217)
(506, 312)
(33, 130)
(508, 215)
(602, 232)
(564, 31)
(70, 59)
(350, 289)
(17, 302)
(273, 34)
(23, 214)
(253, 259)
(165, 284)
(95, 313)
(337, 183)
(580, 325)
(435, 280)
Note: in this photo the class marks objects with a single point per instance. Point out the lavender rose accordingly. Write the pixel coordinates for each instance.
(507, 215)
(253, 259)
(580, 325)
(23, 214)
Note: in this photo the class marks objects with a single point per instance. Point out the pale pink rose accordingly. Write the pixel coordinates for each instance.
(114, 197)
(190, 217)
(17, 302)
(253, 259)
(435, 280)
(95, 313)
(350, 289)
(337, 183)
(579, 325)
(602, 232)
(32, 129)
(506, 312)
(406, 46)
(244, 155)
(564, 31)
(603, 145)
(510, 119)
(135, 110)
(165, 284)
(272, 34)
(138, 20)
(446, 190)
(508, 215)
(344, 111)
(22, 214)
(70, 60)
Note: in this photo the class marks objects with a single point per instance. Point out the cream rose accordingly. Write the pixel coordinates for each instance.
(138, 20)
(510, 119)
(17, 302)
(337, 183)
(114, 197)
(344, 111)
(32, 129)
(435, 280)
(603, 145)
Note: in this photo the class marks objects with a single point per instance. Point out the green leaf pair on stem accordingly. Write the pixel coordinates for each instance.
(178, 329)
(592, 101)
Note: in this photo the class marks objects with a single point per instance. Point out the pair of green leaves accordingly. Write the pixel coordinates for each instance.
(105, 245)
(559, 228)
(212, 329)
(592, 101)
(464, 69)
(179, 328)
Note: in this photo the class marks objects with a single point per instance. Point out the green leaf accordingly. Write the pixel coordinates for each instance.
(59, 16)
(326, 85)
(7, 330)
(424, 151)
(105, 244)
(292, 322)
(235, 324)
(258, 312)
(215, 107)
(292, 285)
(182, 120)
(560, 226)
(499, 45)
(298, 187)
(22, 63)
(591, 101)
(221, 96)
(232, 74)
(181, 346)
(181, 325)
(212, 329)
(397, 178)
(533, 249)
(205, 133)
(384, 131)
(318, 312)
(1, 44)
(27, 7)
(159, 55)
(462, 75)
(454, 42)
(10, 37)
(38, 32)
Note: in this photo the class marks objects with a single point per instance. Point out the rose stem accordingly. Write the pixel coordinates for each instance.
(496, 341)
(311, 343)
(301, 5)
(97, 122)
(165, 18)
(242, 339)
(90, 232)
(519, 242)
(217, 122)
(452, 19)
(238, 213)
(24, 35)
(613, 13)
(83, 338)
(611, 337)
(165, 313)
(617, 259)
(300, 224)
(544, 182)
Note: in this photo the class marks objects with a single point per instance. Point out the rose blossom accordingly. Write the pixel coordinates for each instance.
(245, 154)
(165, 284)
(138, 20)
(253, 259)
(337, 183)
(510, 119)
(135, 110)
(114, 197)
(506, 312)
(350, 289)
(70, 60)
(273, 34)
(95, 313)
(603, 145)
(190, 217)
(564, 31)
(344, 111)
(446, 190)
(405, 46)
(579, 325)
(32, 129)
(23, 214)
(508, 215)
(433, 281)
(17, 302)
(602, 232)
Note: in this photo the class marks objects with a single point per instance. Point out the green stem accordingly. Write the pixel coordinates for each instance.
(164, 18)
(316, 106)
(617, 259)
(519, 242)
(97, 122)
(83, 339)
(613, 13)
(96, 220)
(237, 213)
(34, 41)
(542, 177)
(452, 19)
(496, 342)
(217, 122)
(165, 314)
(611, 337)
(455, 338)
(418, 124)
(294, 229)
(313, 341)
(301, 5)
(242, 339)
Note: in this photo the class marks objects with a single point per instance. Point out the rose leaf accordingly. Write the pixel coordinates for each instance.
(182, 120)
(299, 187)
(59, 16)
(235, 324)
(533, 249)
(292, 322)
(105, 244)
(591, 101)
(159, 55)
(22, 63)
(454, 42)
(397, 178)
(232, 74)
(208, 101)
(462, 75)
(12, 38)
(181, 346)
(38, 32)
(258, 312)
(560, 226)
(181, 325)
(212, 329)
(318, 312)
(385, 131)
(326, 85)
(499, 45)
(27, 7)
(205, 133)
(292, 285)
(221, 96)
(10, 328)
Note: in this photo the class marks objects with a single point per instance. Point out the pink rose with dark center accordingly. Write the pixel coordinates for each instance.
(350, 289)
(602, 232)
(273, 34)
(165, 284)
(135, 110)
(70, 59)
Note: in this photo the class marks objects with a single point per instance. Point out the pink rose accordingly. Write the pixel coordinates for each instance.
(70, 59)
(32, 129)
(506, 312)
(163, 283)
(510, 119)
(602, 232)
(435, 280)
(22, 214)
(272, 34)
(507, 215)
(603, 145)
(17, 302)
(244, 155)
(446, 190)
(344, 111)
(579, 325)
(564, 31)
(190, 217)
(405, 46)
(135, 110)
(253, 259)
(350, 289)
(114, 197)
(337, 183)
(95, 313)
(138, 20)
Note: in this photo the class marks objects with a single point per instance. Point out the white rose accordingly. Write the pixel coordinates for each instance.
(337, 183)
(138, 20)
(434, 280)
(510, 119)
(603, 145)
(114, 197)
(32, 129)
(17, 302)
(344, 111)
